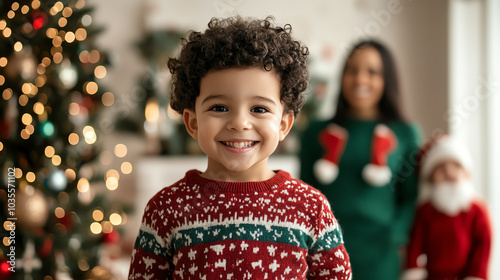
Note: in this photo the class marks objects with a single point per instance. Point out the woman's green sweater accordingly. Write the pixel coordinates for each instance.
(375, 220)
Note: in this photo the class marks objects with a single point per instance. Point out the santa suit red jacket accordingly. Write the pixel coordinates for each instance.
(456, 247)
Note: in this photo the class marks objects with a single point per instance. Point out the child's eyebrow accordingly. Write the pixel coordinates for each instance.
(211, 97)
(261, 98)
(265, 99)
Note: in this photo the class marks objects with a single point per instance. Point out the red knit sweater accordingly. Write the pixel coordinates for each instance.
(456, 247)
(204, 229)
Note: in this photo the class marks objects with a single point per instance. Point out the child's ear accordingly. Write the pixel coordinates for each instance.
(190, 122)
(286, 124)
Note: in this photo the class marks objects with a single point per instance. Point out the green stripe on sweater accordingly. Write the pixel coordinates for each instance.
(147, 242)
(252, 232)
(327, 241)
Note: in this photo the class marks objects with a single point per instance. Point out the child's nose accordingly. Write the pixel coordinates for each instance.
(451, 173)
(239, 121)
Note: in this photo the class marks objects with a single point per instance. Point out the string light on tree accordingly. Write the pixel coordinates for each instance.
(126, 167)
(90, 88)
(97, 215)
(120, 150)
(56, 181)
(83, 185)
(68, 74)
(47, 129)
(95, 228)
(115, 219)
(108, 99)
(89, 135)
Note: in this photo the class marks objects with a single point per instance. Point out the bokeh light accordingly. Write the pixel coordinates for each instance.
(49, 151)
(73, 138)
(97, 215)
(95, 228)
(120, 150)
(126, 167)
(115, 219)
(60, 213)
(108, 99)
(83, 185)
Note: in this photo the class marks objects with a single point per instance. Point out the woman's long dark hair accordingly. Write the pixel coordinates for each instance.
(390, 103)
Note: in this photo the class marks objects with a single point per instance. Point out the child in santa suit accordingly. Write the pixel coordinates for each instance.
(451, 235)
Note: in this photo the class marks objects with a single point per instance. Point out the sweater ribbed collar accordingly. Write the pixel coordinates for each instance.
(193, 177)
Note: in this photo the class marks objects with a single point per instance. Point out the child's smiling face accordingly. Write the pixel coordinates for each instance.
(238, 121)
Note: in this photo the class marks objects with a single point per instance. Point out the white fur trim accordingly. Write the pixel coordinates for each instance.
(326, 171)
(472, 278)
(376, 175)
(382, 129)
(446, 148)
(414, 274)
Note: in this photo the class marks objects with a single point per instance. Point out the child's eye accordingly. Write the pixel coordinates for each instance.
(218, 108)
(259, 110)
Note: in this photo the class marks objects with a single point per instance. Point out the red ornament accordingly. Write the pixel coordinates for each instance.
(88, 103)
(5, 272)
(66, 221)
(38, 23)
(46, 248)
(5, 129)
(39, 20)
(112, 237)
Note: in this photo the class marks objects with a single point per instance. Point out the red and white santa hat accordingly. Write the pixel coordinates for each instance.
(439, 148)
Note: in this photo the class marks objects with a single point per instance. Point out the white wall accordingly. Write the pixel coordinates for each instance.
(416, 32)
(473, 104)
(492, 16)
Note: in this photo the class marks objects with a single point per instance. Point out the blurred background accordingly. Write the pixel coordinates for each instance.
(112, 83)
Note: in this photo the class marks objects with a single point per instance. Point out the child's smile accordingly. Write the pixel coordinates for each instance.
(239, 146)
(238, 121)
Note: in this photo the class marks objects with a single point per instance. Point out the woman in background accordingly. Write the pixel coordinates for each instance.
(363, 161)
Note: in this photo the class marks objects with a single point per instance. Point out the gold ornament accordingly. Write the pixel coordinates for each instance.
(22, 64)
(31, 208)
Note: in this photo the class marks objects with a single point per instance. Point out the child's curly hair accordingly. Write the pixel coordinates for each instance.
(238, 42)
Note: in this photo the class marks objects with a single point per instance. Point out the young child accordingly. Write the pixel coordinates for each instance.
(238, 86)
(451, 228)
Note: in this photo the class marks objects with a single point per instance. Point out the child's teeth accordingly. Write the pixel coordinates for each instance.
(239, 145)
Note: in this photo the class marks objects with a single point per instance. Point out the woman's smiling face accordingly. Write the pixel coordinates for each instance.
(363, 81)
(238, 121)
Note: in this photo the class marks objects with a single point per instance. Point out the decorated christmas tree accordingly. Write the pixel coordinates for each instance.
(53, 207)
